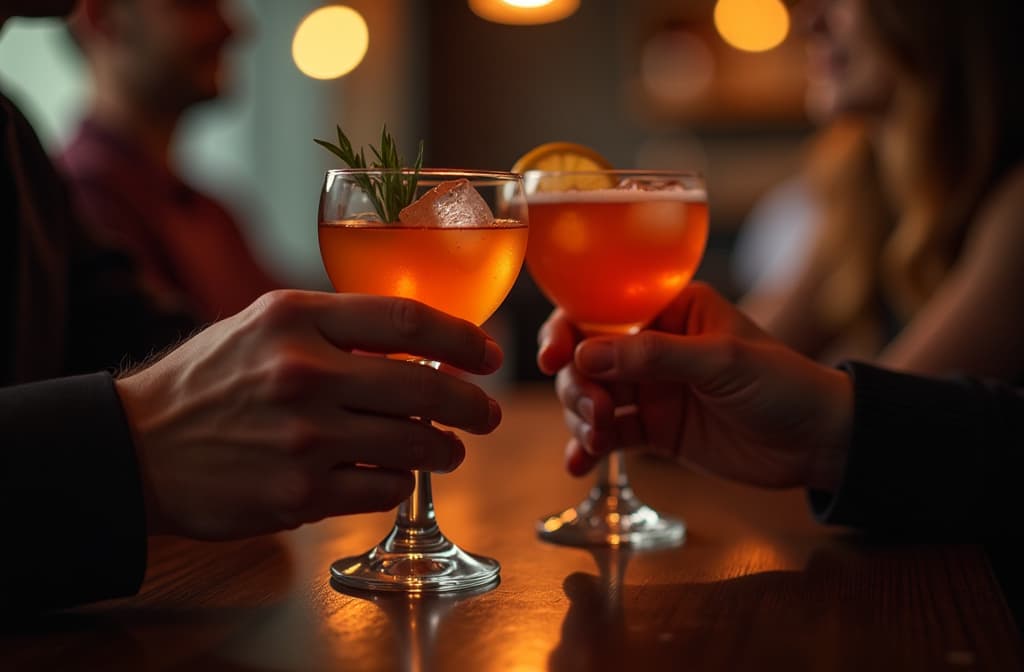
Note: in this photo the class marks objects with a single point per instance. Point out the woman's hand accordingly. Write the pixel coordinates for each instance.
(706, 386)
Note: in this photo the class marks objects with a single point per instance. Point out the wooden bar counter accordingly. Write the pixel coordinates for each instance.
(758, 585)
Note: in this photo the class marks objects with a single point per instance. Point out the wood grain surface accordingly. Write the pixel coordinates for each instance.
(758, 585)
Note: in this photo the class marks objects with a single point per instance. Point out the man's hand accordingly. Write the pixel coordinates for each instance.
(704, 385)
(268, 419)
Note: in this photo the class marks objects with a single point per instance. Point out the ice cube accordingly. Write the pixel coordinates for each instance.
(452, 204)
(634, 184)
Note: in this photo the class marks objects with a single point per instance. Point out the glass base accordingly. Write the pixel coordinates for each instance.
(612, 516)
(435, 566)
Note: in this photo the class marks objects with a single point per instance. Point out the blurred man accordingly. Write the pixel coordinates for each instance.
(262, 422)
(150, 62)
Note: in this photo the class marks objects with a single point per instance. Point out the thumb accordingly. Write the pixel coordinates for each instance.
(653, 356)
(555, 341)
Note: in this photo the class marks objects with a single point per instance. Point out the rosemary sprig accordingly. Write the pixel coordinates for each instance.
(390, 190)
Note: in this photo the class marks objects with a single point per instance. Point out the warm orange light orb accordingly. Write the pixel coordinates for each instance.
(330, 42)
(524, 12)
(752, 25)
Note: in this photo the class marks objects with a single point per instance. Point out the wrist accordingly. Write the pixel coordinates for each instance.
(132, 396)
(829, 461)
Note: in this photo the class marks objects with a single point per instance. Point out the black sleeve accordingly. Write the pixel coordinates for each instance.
(71, 497)
(930, 456)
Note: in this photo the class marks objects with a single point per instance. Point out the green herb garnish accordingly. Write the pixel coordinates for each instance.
(389, 191)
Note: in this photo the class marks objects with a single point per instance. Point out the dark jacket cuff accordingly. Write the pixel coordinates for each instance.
(911, 463)
(72, 491)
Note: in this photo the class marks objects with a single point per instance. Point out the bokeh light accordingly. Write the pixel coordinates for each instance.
(676, 67)
(524, 12)
(752, 25)
(527, 3)
(330, 42)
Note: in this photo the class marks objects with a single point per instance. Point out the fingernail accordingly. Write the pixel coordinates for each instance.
(585, 408)
(587, 438)
(578, 464)
(493, 413)
(596, 357)
(492, 355)
(542, 363)
(458, 453)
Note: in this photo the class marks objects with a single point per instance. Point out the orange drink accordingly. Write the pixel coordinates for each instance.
(427, 234)
(612, 248)
(466, 272)
(614, 258)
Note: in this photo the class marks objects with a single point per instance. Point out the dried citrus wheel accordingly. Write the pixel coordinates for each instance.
(569, 161)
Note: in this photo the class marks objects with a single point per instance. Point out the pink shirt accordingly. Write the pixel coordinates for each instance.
(189, 249)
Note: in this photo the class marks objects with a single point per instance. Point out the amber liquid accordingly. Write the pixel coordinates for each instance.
(614, 259)
(466, 272)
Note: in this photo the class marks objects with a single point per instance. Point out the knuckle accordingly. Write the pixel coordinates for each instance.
(300, 438)
(429, 390)
(648, 350)
(730, 351)
(279, 307)
(407, 317)
(570, 420)
(288, 376)
(295, 492)
(565, 386)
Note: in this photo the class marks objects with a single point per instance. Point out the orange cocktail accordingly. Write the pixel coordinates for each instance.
(431, 235)
(613, 249)
(614, 258)
(466, 272)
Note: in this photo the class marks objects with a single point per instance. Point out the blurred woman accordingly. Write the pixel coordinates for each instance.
(916, 265)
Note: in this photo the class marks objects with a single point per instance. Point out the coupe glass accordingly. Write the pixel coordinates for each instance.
(613, 248)
(456, 258)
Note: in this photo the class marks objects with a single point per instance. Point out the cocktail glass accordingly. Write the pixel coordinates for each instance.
(449, 252)
(613, 248)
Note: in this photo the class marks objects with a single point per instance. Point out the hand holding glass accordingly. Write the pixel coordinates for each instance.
(612, 249)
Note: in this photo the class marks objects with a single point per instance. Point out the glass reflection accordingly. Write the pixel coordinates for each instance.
(415, 619)
(594, 633)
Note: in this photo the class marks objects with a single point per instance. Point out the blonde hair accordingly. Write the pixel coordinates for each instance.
(843, 175)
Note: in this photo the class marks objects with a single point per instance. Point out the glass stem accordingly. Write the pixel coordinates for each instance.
(416, 527)
(416, 530)
(612, 489)
(613, 471)
(418, 510)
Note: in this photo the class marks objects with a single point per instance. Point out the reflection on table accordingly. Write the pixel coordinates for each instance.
(757, 585)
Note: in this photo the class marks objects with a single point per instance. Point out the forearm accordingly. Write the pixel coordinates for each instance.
(929, 456)
(76, 522)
